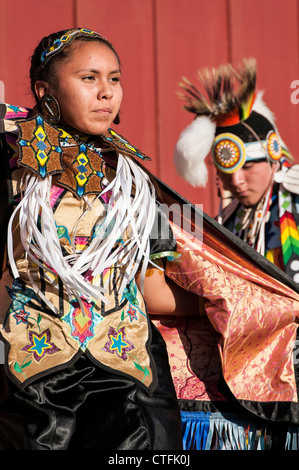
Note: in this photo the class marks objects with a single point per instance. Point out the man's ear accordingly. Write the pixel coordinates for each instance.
(41, 88)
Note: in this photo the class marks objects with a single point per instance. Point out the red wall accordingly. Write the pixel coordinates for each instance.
(159, 41)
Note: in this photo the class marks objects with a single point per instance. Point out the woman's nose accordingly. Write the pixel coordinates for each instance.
(105, 91)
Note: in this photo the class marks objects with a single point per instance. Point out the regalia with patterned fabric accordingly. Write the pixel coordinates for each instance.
(246, 330)
(115, 333)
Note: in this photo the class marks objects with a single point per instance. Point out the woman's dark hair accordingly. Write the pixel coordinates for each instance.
(46, 72)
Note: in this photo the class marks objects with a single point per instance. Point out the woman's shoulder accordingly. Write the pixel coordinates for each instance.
(10, 115)
(119, 143)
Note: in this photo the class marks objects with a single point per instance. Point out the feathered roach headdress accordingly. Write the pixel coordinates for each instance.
(231, 120)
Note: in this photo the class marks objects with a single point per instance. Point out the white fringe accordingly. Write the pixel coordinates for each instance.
(131, 211)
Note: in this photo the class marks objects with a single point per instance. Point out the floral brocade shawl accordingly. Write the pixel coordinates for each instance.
(247, 331)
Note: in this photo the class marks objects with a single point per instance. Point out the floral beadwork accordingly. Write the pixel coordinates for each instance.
(130, 294)
(40, 345)
(120, 345)
(21, 296)
(82, 324)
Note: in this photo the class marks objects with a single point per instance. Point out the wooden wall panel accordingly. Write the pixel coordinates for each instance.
(22, 25)
(190, 35)
(268, 30)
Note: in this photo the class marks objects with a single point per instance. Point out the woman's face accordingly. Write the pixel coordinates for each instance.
(88, 87)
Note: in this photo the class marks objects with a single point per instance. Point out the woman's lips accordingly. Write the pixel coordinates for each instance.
(104, 111)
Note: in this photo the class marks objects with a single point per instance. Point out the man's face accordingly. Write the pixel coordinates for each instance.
(250, 183)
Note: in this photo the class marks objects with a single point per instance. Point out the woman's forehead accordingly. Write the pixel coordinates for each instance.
(84, 55)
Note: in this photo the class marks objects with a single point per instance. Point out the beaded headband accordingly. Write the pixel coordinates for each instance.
(230, 153)
(60, 43)
(252, 139)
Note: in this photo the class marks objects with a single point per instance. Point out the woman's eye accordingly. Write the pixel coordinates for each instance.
(88, 78)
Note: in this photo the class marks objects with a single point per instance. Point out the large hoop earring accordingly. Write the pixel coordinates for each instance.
(50, 109)
(116, 119)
